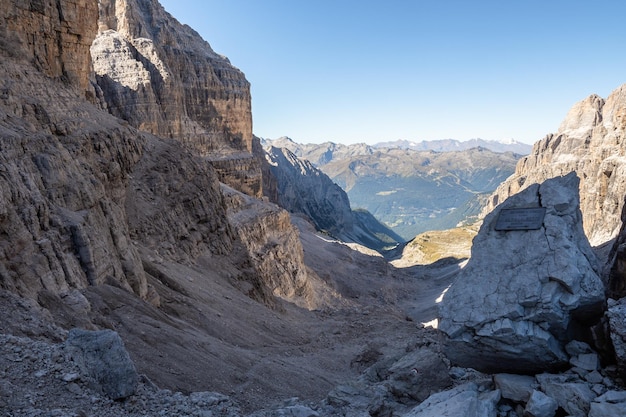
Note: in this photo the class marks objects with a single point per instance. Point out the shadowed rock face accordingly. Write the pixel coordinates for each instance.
(162, 77)
(524, 294)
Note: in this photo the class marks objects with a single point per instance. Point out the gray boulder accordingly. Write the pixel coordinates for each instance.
(524, 294)
(103, 360)
(513, 387)
(417, 375)
(462, 401)
(611, 404)
(570, 393)
(540, 405)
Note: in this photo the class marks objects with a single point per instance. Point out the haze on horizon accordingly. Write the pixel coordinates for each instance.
(368, 71)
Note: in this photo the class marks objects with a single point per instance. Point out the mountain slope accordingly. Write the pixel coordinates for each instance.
(304, 189)
(410, 191)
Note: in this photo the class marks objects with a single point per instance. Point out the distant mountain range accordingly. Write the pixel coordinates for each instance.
(449, 145)
(410, 191)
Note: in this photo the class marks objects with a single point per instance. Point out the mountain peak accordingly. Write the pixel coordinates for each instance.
(447, 145)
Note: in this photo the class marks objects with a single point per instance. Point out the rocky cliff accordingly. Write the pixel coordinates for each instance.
(304, 189)
(591, 142)
(162, 77)
(89, 200)
(65, 164)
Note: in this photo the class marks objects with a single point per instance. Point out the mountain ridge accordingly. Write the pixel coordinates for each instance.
(410, 191)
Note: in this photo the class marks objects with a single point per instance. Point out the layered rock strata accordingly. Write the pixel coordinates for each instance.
(273, 244)
(524, 294)
(590, 141)
(162, 77)
(53, 36)
(82, 191)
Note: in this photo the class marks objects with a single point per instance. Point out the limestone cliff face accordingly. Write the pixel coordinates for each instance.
(590, 141)
(54, 36)
(86, 199)
(273, 244)
(162, 77)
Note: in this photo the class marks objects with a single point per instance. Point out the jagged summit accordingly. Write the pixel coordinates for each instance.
(589, 141)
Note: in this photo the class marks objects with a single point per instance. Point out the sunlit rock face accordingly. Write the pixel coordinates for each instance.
(54, 36)
(525, 293)
(162, 77)
(591, 142)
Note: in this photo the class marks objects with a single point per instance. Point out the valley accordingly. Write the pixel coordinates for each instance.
(411, 191)
(155, 259)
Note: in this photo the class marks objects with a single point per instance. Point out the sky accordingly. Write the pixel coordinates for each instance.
(351, 71)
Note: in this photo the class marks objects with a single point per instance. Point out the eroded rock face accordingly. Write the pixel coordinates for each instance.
(162, 77)
(54, 36)
(590, 142)
(524, 294)
(304, 189)
(273, 244)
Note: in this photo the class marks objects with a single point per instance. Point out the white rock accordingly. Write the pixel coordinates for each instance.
(510, 308)
(607, 410)
(573, 396)
(617, 322)
(586, 361)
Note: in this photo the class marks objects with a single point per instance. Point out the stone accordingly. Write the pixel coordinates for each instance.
(514, 387)
(540, 405)
(586, 361)
(462, 401)
(613, 396)
(523, 294)
(616, 314)
(594, 377)
(607, 410)
(417, 375)
(576, 347)
(572, 395)
(102, 357)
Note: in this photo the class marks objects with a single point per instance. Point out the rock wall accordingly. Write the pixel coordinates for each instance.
(162, 77)
(304, 189)
(274, 247)
(79, 188)
(591, 142)
(54, 36)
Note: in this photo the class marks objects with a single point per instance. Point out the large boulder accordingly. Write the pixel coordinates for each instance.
(525, 294)
(104, 361)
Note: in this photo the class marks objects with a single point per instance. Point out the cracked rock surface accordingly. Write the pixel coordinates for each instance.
(525, 293)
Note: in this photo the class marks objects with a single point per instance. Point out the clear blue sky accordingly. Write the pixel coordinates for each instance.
(367, 71)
